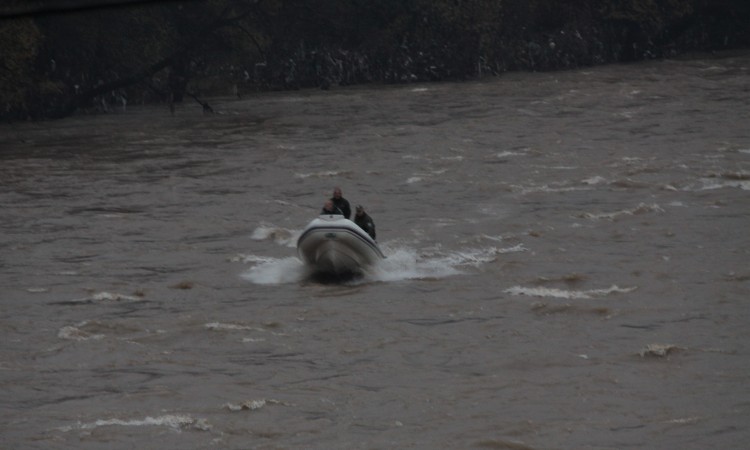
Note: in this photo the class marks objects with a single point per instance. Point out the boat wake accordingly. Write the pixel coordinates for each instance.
(402, 262)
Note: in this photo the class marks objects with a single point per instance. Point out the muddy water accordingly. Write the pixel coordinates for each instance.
(568, 267)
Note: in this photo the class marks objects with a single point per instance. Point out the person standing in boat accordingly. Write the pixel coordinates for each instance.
(364, 221)
(330, 208)
(341, 203)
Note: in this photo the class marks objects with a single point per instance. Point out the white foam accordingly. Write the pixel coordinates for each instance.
(250, 405)
(548, 188)
(506, 154)
(562, 167)
(281, 236)
(74, 333)
(491, 238)
(562, 293)
(277, 271)
(595, 180)
(218, 326)
(402, 263)
(515, 249)
(711, 184)
(640, 209)
(406, 264)
(176, 422)
(322, 174)
(253, 405)
(413, 180)
(36, 290)
(106, 296)
(114, 297)
(253, 259)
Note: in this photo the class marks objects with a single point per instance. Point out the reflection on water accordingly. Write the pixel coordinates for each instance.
(567, 261)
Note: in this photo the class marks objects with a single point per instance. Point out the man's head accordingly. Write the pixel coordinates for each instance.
(337, 192)
(360, 210)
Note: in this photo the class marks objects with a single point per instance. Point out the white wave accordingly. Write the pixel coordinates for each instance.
(402, 263)
(252, 259)
(595, 180)
(660, 350)
(322, 174)
(74, 333)
(413, 180)
(491, 238)
(218, 326)
(684, 420)
(640, 209)
(562, 293)
(106, 296)
(478, 256)
(548, 188)
(744, 150)
(710, 184)
(176, 422)
(515, 249)
(253, 405)
(115, 297)
(406, 264)
(281, 236)
(277, 271)
(250, 405)
(506, 154)
(36, 290)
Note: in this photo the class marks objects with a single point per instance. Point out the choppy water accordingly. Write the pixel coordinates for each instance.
(568, 267)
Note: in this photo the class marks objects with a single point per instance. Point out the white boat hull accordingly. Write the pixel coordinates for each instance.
(334, 245)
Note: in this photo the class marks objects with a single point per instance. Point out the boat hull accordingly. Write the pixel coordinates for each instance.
(337, 246)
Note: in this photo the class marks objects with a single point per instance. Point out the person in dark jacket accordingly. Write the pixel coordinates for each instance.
(364, 221)
(341, 203)
(330, 208)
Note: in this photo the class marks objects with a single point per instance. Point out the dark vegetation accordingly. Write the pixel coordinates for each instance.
(59, 57)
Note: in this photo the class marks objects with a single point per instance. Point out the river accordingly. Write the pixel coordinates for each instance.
(568, 266)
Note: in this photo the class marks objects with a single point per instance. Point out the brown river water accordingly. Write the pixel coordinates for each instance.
(568, 267)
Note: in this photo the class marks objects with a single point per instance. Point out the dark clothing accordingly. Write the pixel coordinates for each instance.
(365, 222)
(335, 211)
(342, 204)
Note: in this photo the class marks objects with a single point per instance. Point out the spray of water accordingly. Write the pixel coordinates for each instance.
(402, 262)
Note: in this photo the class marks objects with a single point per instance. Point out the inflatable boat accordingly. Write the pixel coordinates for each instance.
(335, 245)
